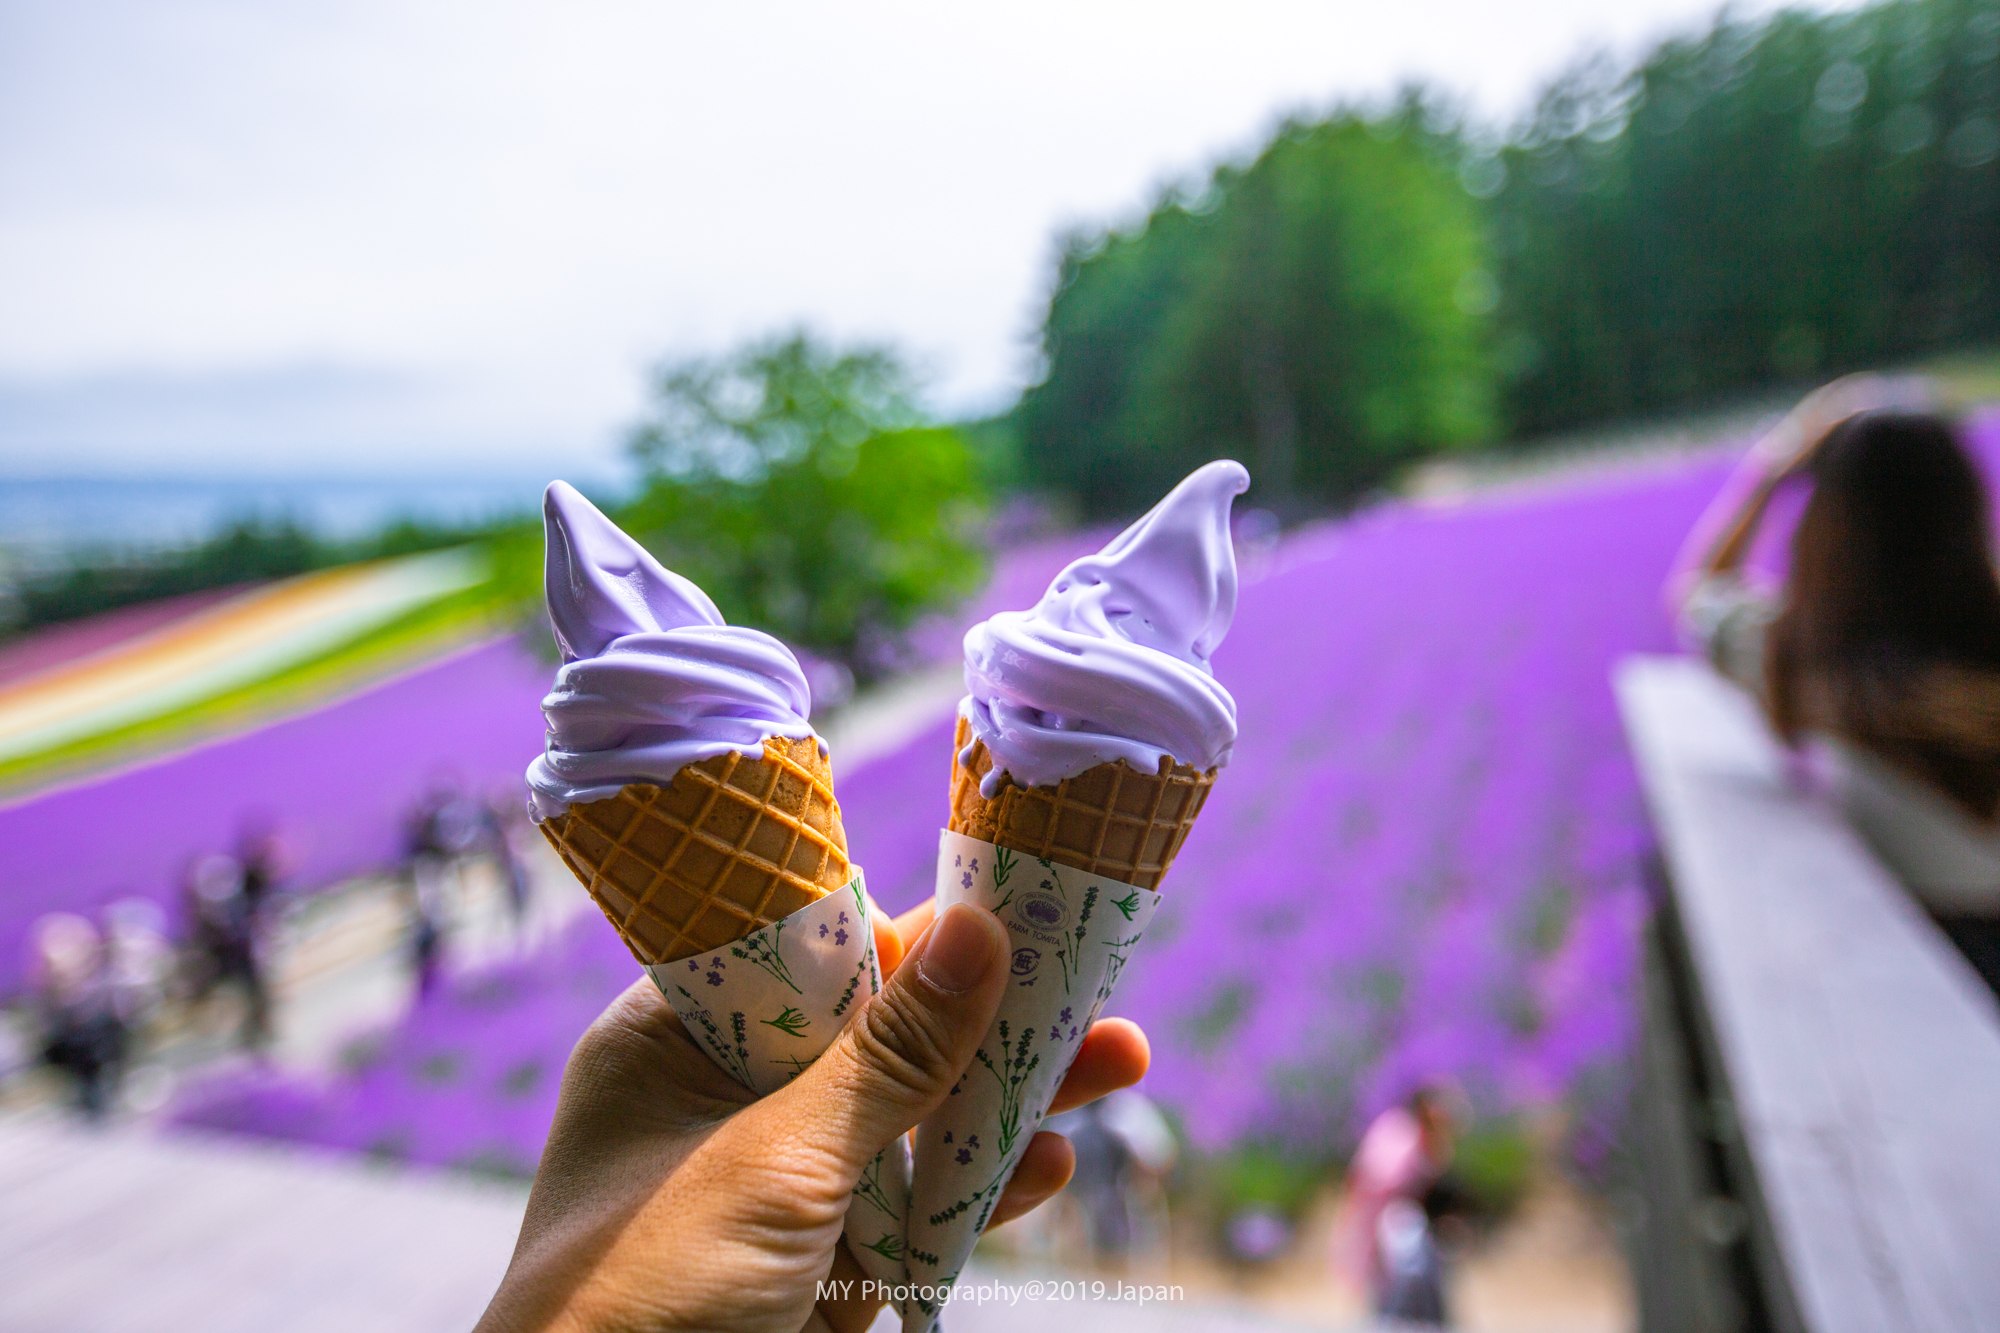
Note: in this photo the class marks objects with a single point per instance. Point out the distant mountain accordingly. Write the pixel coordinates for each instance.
(42, 517)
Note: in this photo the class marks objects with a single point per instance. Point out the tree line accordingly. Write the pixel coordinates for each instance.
(1768, 199)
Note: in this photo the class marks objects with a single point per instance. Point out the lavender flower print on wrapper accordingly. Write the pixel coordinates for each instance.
(1065, 962)
(768, 1005)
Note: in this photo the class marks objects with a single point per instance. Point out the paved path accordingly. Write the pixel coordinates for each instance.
(120, 1231)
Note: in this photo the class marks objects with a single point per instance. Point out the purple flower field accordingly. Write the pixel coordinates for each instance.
(336, 784)
(1424, 860)
(468, 1080)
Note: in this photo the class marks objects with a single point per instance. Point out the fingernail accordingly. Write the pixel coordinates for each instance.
(959, 952)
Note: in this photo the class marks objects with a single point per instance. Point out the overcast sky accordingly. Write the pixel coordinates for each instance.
(349, 237)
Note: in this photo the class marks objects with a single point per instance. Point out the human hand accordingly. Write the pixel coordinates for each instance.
(669, 1199)
(1790, 446)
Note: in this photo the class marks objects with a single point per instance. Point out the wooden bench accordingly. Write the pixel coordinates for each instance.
(1818, 1117)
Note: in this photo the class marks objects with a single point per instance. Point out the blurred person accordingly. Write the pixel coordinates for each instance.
(262, 855)
(424, 938)
(445, 828)
(1124, 1151)
(655, 1151)
(430, 865)
(18, 1053)
(1878, 658)
(81, 1033)
(228, 942)
(459, 824)
(501, 820)
(1149, 1139)
(1101, 1185)
(1401, 1158)
(138, 959)
(1413, 1262)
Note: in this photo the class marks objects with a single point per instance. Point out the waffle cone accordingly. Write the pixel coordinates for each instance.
(1111, 820)
(732, 844)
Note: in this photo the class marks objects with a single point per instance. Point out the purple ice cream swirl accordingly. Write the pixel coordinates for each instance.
(1113, 662)
(652, 679)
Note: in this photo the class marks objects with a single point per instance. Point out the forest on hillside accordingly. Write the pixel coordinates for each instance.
(1764, 201)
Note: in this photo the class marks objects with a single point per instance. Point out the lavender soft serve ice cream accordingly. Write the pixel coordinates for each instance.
(652, 679)
(1113, 662)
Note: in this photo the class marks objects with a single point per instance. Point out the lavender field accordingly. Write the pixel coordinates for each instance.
(335, 784)
(1424, 860)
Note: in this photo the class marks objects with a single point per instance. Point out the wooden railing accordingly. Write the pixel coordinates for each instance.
(1818, 1116)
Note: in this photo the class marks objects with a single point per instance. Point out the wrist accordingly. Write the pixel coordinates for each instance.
(545, 1290)
(1780, 450)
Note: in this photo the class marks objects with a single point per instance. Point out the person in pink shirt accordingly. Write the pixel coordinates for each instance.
(1402, 1154)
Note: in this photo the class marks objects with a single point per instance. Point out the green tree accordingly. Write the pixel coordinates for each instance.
(255, 550)
(1320, 313)
(799, 485)
(1769, 199)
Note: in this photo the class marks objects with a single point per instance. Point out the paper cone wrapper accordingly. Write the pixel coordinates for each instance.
(766, 1006)
(1071, 934)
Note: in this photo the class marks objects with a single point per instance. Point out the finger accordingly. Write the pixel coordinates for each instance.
(1045, 1168)
(849, 1313)
(917, 920)
(1114, 1054)
(896, 1062)
(890, 943)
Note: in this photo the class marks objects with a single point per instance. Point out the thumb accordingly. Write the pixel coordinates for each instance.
(896, 1062)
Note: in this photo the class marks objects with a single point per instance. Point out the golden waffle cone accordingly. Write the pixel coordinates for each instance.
(733, 843)
(1111, 820)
